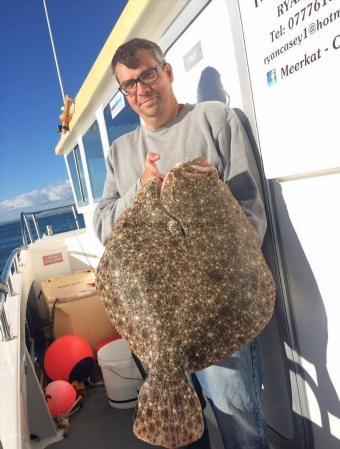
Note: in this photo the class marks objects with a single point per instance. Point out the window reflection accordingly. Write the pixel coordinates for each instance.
(95, 160)
(77, 175)
(119, 117)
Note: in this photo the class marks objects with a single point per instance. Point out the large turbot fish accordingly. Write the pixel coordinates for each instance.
(184, 281)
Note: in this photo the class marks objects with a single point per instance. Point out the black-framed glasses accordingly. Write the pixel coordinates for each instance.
(147, 78)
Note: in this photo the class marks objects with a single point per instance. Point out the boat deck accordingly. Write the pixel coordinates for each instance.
(98, 425)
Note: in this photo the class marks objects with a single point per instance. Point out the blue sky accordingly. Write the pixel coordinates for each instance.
(30, 96)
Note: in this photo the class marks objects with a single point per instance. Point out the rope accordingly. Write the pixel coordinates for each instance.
(52, 317)
(81, 247)
(54, 52)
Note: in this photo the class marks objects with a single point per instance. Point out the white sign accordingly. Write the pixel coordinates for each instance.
(293, 50)
(117, 104)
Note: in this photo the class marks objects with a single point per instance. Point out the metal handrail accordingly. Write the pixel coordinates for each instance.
(26, 230)
(12, 266)
(6, 287)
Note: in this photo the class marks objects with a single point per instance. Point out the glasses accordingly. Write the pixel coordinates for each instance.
(147, 78)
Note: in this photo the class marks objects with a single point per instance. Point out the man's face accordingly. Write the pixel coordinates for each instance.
(152, 101)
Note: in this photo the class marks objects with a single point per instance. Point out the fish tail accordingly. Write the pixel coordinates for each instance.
(169, 412)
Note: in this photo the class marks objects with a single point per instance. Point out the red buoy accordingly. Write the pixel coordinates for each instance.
(69, 358)
(60, 396)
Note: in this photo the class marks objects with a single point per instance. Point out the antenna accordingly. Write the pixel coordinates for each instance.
(54, 52)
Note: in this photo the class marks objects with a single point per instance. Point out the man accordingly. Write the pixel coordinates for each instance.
(174, 133)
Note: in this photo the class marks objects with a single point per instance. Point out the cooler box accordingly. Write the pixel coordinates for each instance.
(75, 285)
(76, 308)
(121, 376)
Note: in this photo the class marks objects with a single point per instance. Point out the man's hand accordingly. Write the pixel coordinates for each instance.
(150, 168)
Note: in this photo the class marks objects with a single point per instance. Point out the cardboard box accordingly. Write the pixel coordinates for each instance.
(76, 308)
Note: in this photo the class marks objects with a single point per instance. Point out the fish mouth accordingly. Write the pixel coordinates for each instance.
(193, 171)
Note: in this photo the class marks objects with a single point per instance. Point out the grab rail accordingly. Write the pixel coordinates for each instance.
(26, 228)
(7, 288)
(7, 281)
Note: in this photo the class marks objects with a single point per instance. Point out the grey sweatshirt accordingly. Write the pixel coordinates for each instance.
(210, 129)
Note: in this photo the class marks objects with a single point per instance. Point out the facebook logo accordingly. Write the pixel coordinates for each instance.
(271, 78)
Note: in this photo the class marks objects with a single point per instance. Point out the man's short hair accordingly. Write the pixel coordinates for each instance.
(126, 54)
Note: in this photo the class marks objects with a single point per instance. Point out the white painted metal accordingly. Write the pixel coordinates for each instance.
(314, 214)
(218, 65)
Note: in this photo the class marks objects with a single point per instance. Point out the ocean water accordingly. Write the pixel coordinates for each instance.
(10, 233)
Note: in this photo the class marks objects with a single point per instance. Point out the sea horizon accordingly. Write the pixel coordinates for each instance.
(9, 221)
(9, 216)
(11, 237)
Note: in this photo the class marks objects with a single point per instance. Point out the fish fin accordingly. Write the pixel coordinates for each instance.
(169, 413)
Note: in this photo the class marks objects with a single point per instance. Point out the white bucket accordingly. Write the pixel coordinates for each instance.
(120, 374)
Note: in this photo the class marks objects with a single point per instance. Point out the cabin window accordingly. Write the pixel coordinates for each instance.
(95, 160)
(119, 117)
(77, 175)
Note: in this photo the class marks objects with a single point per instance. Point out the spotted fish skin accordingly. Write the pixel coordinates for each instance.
(184, 281)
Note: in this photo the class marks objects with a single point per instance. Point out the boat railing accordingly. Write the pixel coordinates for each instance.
(7, 288)
(30, 228)
(31, 232)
